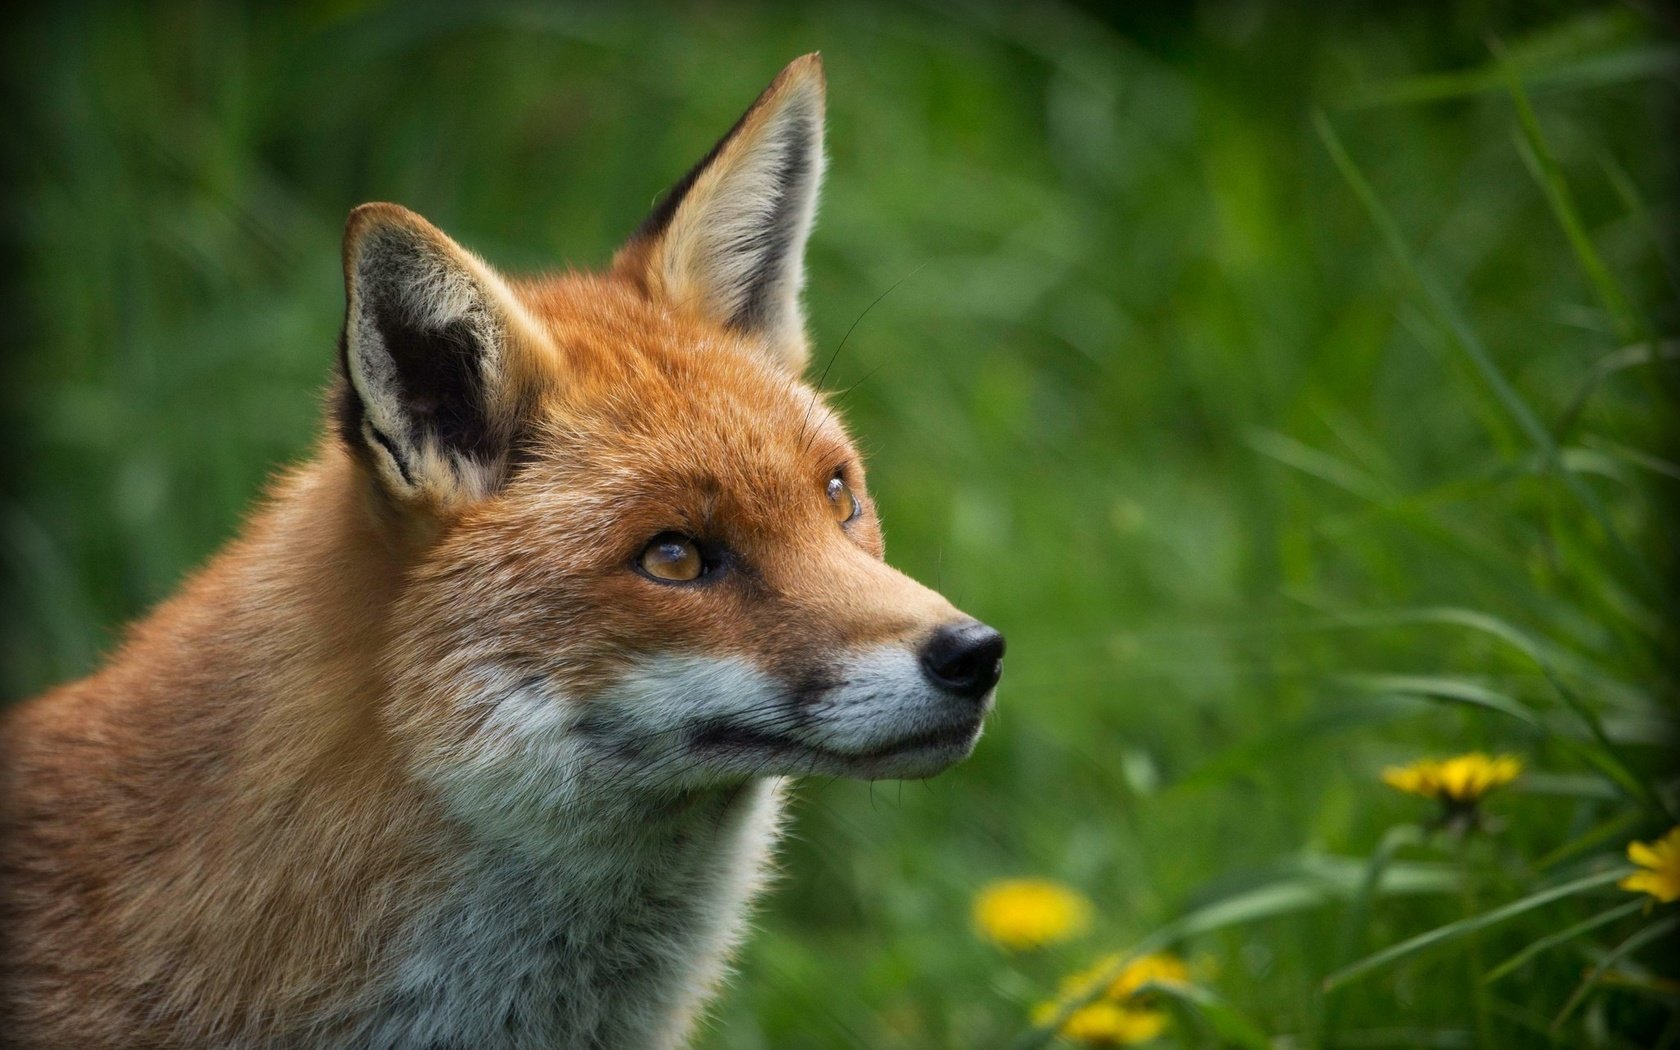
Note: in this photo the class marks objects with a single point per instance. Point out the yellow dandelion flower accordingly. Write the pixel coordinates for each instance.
(1662, 861)
(1124, 985)
(1022, 914)
(1122, 1014)
(1461, 780)
(1146, 969)
(1104, 1023)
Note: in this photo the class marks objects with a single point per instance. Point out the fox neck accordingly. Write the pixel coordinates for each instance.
(376, 903)
(615, 941)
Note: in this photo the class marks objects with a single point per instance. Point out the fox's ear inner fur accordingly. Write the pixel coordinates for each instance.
(426, 398)
(729, 238)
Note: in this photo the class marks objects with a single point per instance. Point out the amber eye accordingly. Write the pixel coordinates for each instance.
(841, 503)
(672, 557)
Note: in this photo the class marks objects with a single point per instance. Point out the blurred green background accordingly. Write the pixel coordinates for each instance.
(1263, 503)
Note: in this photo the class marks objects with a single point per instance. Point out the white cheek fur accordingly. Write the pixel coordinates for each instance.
(884, 698)
(598, 840)
(581, 908)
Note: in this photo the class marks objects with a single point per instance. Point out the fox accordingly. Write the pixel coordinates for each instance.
(481, 730)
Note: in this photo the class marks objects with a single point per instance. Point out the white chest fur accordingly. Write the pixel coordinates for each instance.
(613, 940)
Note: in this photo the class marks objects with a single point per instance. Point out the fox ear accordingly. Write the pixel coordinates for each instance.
(729, 238)
(427, 400)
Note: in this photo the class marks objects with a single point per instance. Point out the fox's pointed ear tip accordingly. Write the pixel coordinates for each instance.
(364, 217)
(806, 69)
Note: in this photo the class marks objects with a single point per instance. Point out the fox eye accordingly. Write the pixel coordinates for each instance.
(673, 558)
(842, 505)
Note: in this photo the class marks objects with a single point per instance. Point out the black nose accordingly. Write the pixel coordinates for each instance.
(965, 658)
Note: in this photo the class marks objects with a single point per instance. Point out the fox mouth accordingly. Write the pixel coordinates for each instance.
(724, 737)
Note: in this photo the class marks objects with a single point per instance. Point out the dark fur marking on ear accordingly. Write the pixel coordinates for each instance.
(437, 371)
(396, 457)
(764, 285)
(347, 408)
(666, 208)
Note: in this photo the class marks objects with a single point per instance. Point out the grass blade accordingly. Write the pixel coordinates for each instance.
(1618, 828)
(1351, 931)
(1541, 163)
(1359, 908)
(1568, 933)
(1451, 690)
(1538, 158)
(1638, 940)
(1315, 463)
(1655, 235)
(1468, 343)
(1409, 1038)
(1464, 927)
(1232, 1028)
(1592, 49)
(1661, 353)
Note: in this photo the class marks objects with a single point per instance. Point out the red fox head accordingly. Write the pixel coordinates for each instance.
(646, 554)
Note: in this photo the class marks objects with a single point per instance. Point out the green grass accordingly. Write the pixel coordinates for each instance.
(1294, 391)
